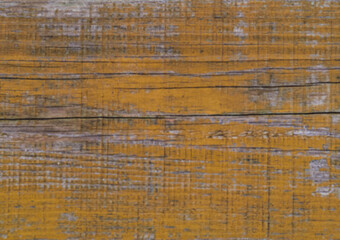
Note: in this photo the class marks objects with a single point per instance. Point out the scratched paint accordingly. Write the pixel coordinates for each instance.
(156, 119)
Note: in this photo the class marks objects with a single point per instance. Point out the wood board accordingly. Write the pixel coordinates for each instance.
(155, 119)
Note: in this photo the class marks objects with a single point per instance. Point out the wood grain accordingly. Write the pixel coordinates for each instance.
(155, 119)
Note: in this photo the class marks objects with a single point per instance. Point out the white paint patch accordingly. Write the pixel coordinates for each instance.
(238, 32)
(320, 175)
(335, 119)
(318, 100)
(317, 170)
(69, 217)
(81, 8)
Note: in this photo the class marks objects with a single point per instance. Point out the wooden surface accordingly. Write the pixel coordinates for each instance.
(155, 119)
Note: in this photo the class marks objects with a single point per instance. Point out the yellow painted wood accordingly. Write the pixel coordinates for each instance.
(155, 119)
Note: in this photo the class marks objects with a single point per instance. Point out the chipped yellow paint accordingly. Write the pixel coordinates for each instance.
(156, 119)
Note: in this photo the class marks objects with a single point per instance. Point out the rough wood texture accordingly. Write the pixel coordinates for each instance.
(155, 119)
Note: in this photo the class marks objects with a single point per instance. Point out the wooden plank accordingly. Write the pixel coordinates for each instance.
(154, 119)
(152, 93)
(263, 177)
